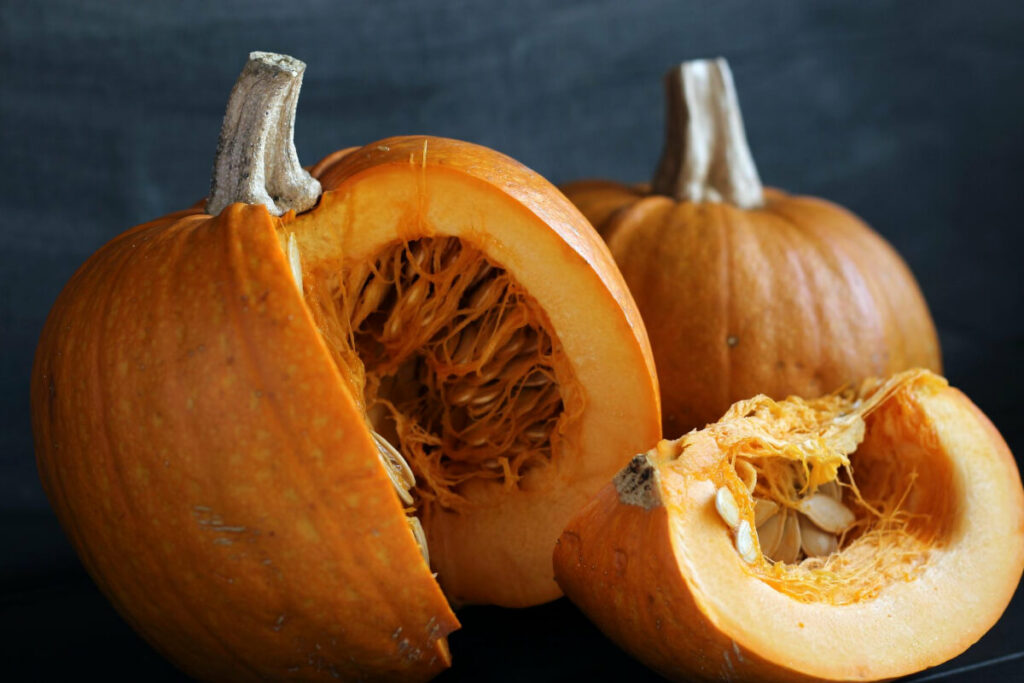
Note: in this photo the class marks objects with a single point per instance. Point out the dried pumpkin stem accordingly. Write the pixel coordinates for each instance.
(256, 162)
(706, 157)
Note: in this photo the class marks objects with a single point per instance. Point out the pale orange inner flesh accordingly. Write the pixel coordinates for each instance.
(897, 481)
(455, 363)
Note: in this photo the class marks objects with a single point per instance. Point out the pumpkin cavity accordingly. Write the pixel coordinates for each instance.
(831, 499)
(458, 372)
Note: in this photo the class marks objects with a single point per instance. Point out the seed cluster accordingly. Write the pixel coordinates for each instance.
(460, 357)
(785, 534)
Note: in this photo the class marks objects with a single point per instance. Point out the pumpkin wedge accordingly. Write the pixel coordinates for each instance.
(860, 536)
(266, 423)
(747, 290)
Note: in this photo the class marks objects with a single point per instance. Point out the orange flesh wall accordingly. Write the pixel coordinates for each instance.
(485, 334)
(929, 564)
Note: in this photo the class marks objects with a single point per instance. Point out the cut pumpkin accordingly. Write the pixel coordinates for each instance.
(915, 553)
(266, 426)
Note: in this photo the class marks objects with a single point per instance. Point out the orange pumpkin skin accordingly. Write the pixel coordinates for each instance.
(214, 470)
(664, 580)
(796, 297)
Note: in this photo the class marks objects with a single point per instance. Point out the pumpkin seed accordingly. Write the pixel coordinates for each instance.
(537, 433)
(763, 510)
(397, 469)
(467, 342)
(832, 490)
(826, 512)
(747, 474)
(814, 541)
(412, 296)
(513, 346)
(746, 542)
(488, 393)
(420, 536)
(487, 294)
(371, 298)
(770, 533)
(537, 378)
(727, 508)
(461, 394)
(483, 388)
(788, 550)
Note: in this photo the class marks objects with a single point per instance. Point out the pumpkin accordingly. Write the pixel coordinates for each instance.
(746, 290)
(863, 535)
(266, 423)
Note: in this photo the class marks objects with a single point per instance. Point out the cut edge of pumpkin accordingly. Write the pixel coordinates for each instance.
(772, 613)
(329, 252)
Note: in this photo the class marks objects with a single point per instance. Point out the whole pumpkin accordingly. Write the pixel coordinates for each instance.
(746, 290)
(266, 423)
(859, 536)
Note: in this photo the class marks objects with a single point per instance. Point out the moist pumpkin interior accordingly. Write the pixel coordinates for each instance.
(891, 470)
(454, 363)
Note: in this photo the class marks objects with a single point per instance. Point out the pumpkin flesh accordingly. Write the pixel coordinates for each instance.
(493, 493)
(929, 568)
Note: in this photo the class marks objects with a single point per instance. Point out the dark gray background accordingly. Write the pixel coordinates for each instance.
(909, 113)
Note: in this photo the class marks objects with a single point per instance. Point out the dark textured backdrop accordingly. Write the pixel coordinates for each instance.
(909, 113)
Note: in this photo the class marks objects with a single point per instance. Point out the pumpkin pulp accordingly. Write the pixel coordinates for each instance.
(433, 293)
(937, 539)
(893, 489)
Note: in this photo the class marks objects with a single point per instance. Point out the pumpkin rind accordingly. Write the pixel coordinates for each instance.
(212, 471)
(665, 581)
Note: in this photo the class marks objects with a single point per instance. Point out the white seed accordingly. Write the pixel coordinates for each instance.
(467, 342)
(396, 467)
(420, 536)
(537, 433)
(763, 510)
(487, 294)
(294, 261)
(746, 542)
(461, 394)
(770, 533)
(512, 346)
(747, 474)
(487, 393)
(828, 513)
(789, 545)
(537, 378)
(832, 490)
(372, 296)
(814, 541)
(412, 296)
(727, 508)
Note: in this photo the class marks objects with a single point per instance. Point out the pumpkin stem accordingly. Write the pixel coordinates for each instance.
(706, 157)
(256, 162)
